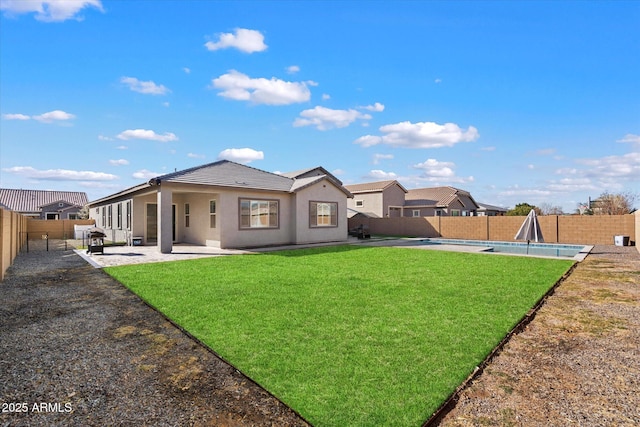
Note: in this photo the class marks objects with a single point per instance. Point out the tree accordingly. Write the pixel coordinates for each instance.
(613, 204)
(84, 212)
(547, 209)
(523, 209)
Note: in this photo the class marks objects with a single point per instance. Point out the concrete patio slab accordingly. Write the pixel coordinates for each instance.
(124, 255)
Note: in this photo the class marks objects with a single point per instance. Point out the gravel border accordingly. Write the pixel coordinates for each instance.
(576, 363)
(77, 348)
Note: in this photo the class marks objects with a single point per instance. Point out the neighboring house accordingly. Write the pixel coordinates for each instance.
(227, 205)
(41, 204)
(490, 210)
(439, 201)
(391, 199)
(376, 199)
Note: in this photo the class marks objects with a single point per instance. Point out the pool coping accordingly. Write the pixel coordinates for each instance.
(417, 243)
(579, 257)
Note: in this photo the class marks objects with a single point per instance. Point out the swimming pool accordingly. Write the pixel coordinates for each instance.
(557, 250)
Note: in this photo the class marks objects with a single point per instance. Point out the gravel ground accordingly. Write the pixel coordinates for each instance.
(76, 348)
(577, 363)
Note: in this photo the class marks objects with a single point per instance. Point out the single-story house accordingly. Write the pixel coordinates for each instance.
(375, 199)
(227, 205)
(43, 204)
(491, 210)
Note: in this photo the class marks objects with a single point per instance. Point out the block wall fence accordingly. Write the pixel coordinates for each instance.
(13, 227)
(55, 229)
(576, 229)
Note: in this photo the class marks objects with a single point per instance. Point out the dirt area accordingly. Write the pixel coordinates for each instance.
(76, 348)
(576, 363)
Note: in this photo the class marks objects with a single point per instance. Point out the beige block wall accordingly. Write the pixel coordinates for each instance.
(570, 229)
(56, 229)
(13, 235)
(637, 230)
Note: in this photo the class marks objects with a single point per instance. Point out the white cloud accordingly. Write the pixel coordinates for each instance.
(49, 10)
(241, 155)
(326, 96)
(377, 107)
(248, 41)
(240, 87)
(122, 147)
(525, 192)
(437, 172)
(60, 174)
(52, 116)
(148, 88)
(437, 81)
(187, 70)
(195, 156)
(145, 174)
(420, 135)
(377, 157)
(626, 166)
(382, 175)
(147, 135)
(567, 185)
(325, 118)
(434, 168)
(104, 138)
(531, 167)
(292, 69)
(630, 138)
(119, 162)
(15, 117)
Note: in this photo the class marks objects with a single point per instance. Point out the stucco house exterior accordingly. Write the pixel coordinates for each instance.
(44, 204)
(439, 201)
(375, 199)
(227, 205)
(384, 199)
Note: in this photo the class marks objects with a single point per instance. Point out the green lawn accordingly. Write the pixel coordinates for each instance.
(347, 335)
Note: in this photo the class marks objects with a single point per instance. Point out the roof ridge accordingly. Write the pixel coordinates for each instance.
(170, 175)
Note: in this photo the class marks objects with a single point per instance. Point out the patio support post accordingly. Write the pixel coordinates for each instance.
(165, 223)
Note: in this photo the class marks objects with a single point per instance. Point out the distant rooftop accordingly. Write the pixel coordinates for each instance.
(370, 187)
(32, 200)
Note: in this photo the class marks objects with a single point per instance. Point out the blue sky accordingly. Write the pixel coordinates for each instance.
(535, 102)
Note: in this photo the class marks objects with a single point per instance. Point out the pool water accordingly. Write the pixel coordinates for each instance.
(521, 248)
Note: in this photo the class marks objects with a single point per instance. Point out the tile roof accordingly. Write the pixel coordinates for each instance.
(33, 200)
(370, 187)
(434, 196)
(485, 206)
(226, 173)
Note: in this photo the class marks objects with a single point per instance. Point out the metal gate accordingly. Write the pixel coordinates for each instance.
(38, 242)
